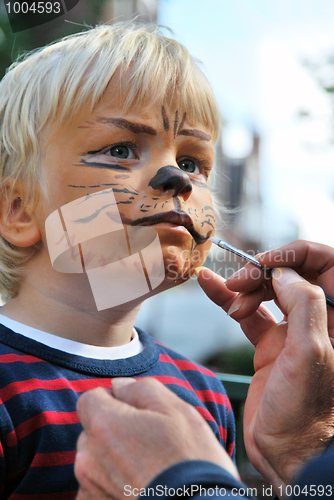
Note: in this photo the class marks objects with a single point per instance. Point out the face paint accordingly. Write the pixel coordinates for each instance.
(158, 180)
(85, 163)
(176, 122)
(165, 119)
(87, 236)
(173, 179)
(178, 218)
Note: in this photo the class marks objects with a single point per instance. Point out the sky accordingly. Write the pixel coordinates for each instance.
(254, 53)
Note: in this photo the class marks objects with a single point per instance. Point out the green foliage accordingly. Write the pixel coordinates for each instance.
(329, 90)
(322, 70)
(238, 361)
(86, 13)
(5, 45)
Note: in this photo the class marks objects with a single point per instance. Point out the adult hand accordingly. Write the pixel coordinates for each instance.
(289, 408)
(133, 434)
(313, 261)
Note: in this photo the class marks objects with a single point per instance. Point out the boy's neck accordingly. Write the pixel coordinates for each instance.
(45, 309)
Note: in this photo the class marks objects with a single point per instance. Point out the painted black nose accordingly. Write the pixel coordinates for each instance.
(171, 178)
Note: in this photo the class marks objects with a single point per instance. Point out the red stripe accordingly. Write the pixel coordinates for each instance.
(184, 364)
(215, 397)
(23, 386)
(205, 395)
(24, 358)
(230, 449)
(203, 411)
(168, 379)
(17, 475)
(207, 415)
(40, 420)
(66, 495)
(52, 459)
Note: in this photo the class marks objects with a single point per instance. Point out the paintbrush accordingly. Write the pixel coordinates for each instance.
(226, 246)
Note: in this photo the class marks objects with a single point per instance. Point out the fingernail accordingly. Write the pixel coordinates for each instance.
(235, 306)
(233, 309)
(198, 269)
(237, 275)
(259, 255)
(119, 382)
(286, 276)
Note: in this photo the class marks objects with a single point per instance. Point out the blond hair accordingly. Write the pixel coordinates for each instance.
(56, 81)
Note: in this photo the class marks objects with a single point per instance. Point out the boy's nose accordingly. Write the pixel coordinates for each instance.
(170, 178)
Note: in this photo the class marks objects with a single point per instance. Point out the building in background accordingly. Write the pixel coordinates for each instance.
(248, 223)
(239, 186)
(205, 328)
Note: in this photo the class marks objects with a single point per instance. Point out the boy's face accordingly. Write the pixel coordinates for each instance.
(157, 164)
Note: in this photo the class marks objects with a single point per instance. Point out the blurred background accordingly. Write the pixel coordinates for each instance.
(271, 64)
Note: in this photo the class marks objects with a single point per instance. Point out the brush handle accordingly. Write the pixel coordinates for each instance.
(250, 258)
(329, 301)
(226, 246)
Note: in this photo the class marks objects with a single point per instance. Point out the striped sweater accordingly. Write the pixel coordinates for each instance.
(39, 389)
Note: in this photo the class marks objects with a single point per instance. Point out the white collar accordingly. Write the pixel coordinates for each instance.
(71, 346)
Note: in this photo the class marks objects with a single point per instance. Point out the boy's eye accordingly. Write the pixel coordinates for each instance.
(188, 165)
(121, 151)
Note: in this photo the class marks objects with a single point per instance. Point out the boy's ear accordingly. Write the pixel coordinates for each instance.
(17, 225)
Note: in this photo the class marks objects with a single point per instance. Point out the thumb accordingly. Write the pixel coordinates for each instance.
(282, 277)
(146, 394)
(303, 303)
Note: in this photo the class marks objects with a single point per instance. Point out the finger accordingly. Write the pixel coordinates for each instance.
(248, 278)
(306, 255)
(214, 287)
(308, 258)
(93, 492)
(119, 382)
(85, 462)
(304, 305)
(255, 324)
(246, 304)
(147, 394)
(82, 441)
(88, 403)
(270, 347)
(313, 261)
(82, 495)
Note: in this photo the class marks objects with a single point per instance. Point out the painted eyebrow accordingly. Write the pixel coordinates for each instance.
(136, 128)
(195, 133)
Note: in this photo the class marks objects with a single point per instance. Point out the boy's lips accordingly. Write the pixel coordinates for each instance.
(176, 217)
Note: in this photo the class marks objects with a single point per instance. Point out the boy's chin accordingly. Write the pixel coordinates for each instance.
(180, 265)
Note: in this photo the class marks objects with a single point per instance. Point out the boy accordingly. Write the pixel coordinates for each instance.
(120, 120)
